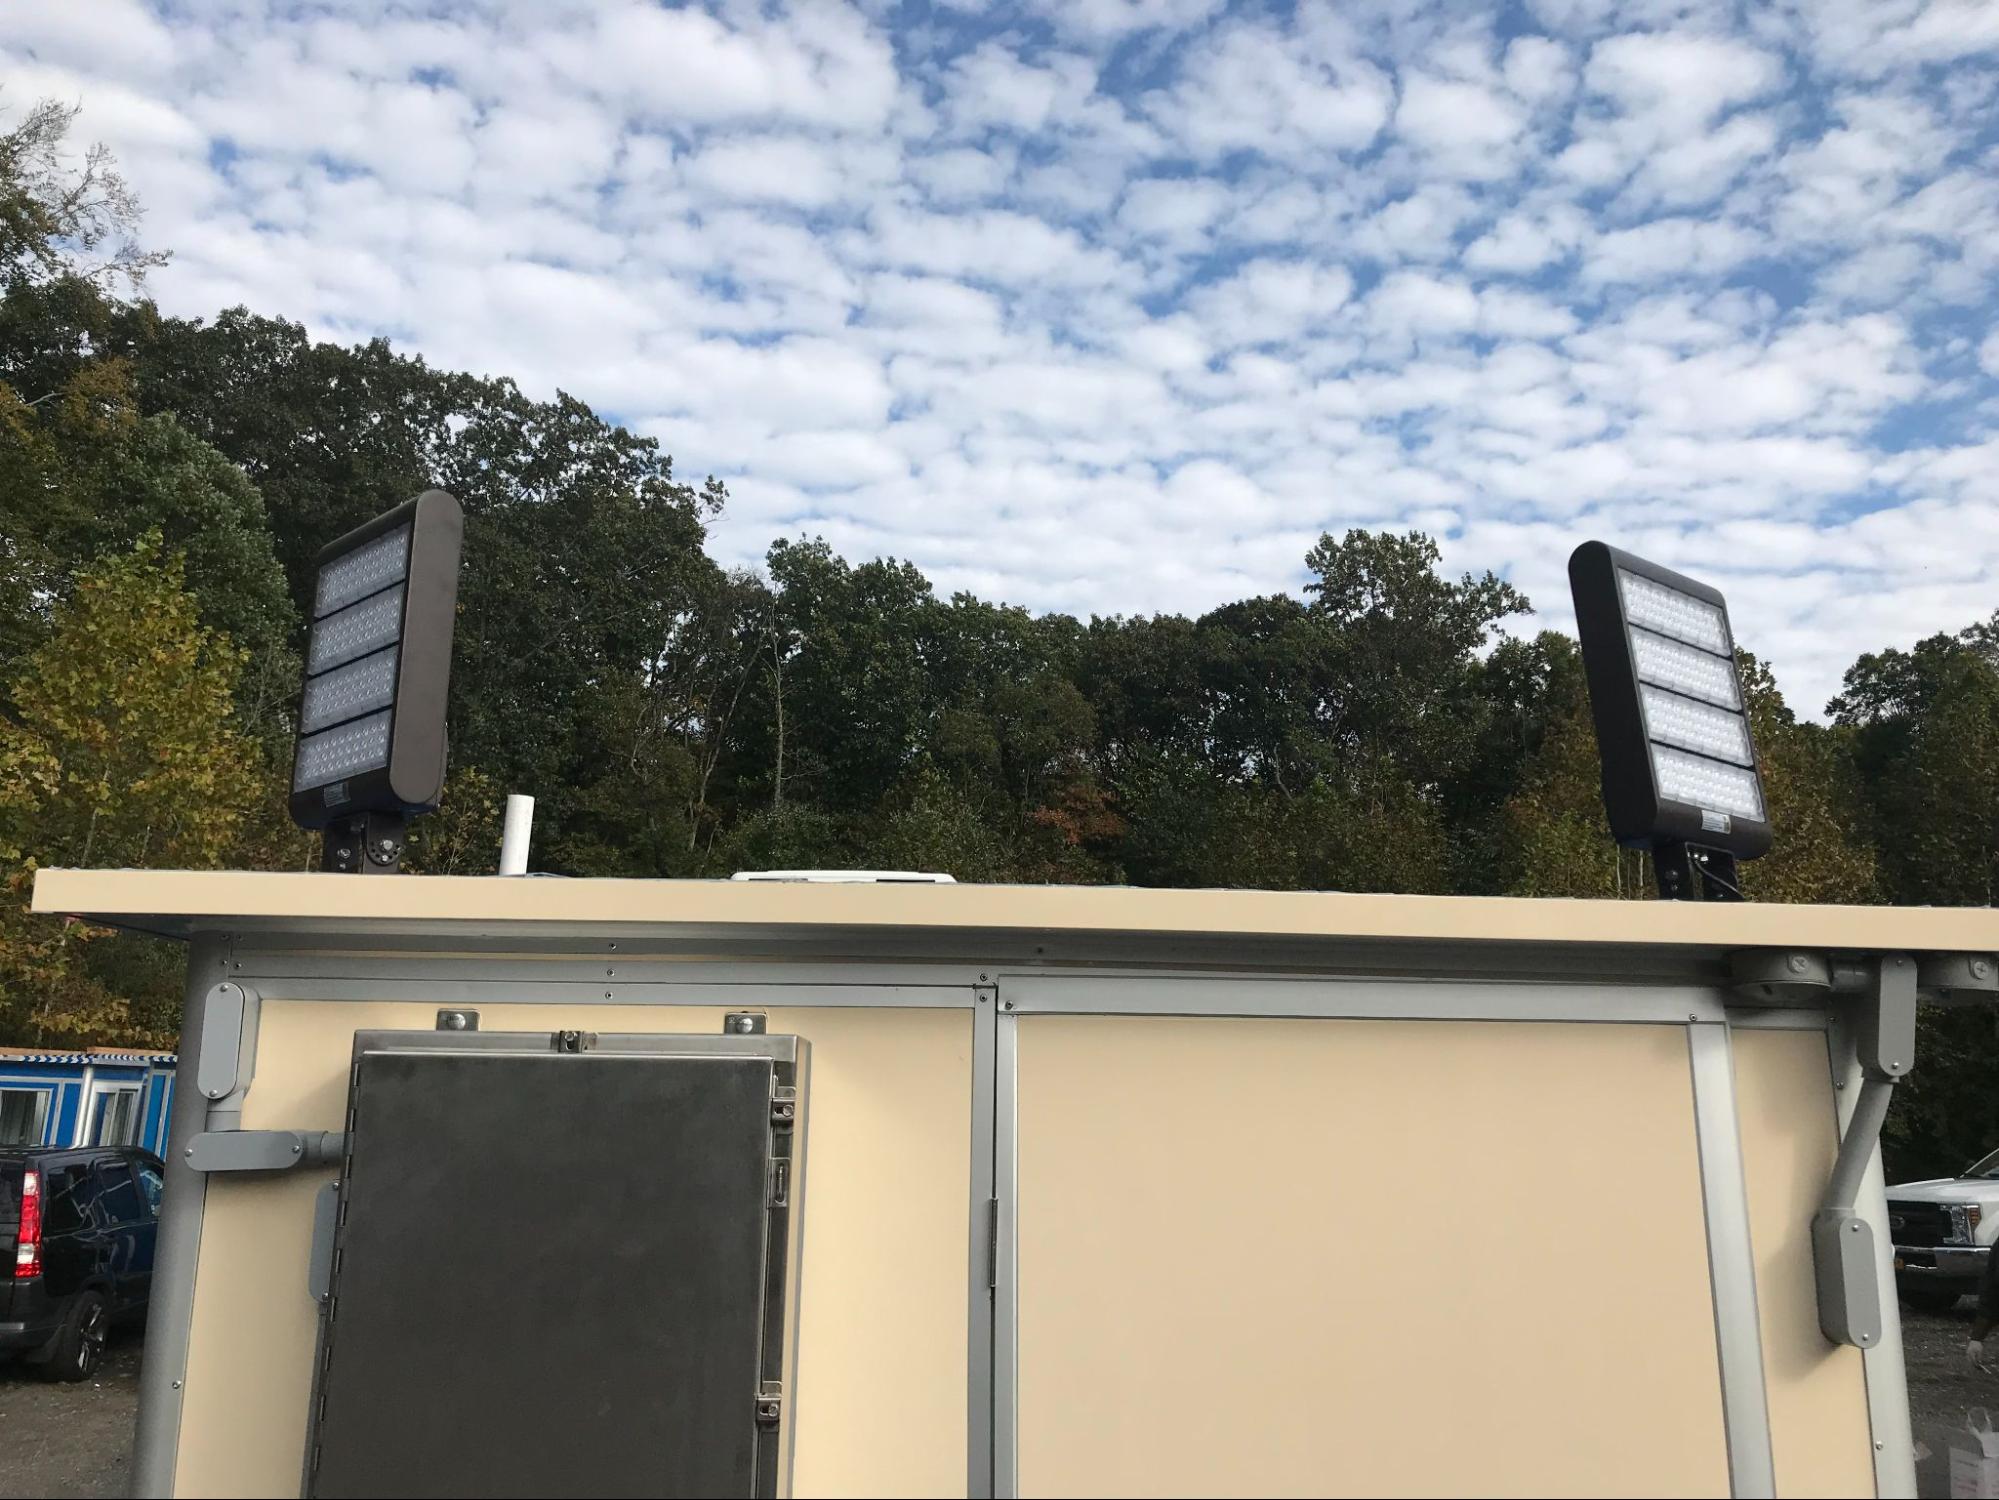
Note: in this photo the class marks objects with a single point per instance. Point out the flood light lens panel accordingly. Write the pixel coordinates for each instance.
(1653, 606)
(1695, 674)
(356, 631)
(1707, 784)
(349, 691)
(364, 571)
(1673, 720)
(345, 750)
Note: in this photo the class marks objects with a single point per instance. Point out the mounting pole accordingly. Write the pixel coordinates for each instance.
(515, 835)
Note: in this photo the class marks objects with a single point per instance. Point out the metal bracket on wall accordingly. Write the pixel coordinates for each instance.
(262, 1150)
(228, 1051)
(1844, 1243)
(319, 1263)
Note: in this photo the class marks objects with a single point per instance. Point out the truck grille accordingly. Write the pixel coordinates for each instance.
(1918, 1223)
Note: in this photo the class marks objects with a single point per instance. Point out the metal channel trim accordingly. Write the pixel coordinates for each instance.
(721, 971)
(1883, 1365)
(1362, 999)
(776, 953)
(1738, 1333)
(805, 990)
(1006, 1271)
(170, 1316)
(1777, 1018)
(981, 1271)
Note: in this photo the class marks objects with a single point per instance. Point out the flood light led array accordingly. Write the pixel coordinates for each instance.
(378, 661)
(1679, 763)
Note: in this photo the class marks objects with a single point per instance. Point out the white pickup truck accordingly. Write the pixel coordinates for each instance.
(1943, 1231)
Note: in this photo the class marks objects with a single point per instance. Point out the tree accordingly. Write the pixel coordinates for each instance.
(59, 220)
(1924, 735)
(124, 752)
(1922, 730)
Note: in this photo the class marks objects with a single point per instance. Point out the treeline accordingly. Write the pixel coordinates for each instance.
(165, 483)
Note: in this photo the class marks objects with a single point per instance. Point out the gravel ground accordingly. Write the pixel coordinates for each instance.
(70, 1439)
(76, 1440)
(1942, 1389)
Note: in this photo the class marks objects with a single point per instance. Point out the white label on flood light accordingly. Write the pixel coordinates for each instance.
(344, 750)
(366, 570)
(1693, 725)
(1670, 612)
(367, 626)
(1707, 784)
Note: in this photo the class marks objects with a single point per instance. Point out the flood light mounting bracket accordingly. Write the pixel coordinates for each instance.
(365, 843)
(1693, 872)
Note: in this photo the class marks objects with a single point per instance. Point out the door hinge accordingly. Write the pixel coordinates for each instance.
(992, 1244)
(770, 1403)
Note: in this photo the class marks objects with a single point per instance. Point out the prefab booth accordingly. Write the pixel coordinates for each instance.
(495, 1185)
(99, 1096)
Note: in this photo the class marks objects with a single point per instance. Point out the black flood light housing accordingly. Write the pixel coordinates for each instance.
(1672, 723)
(378, 659)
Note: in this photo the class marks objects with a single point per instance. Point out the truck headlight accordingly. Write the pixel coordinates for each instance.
(1964, 1223)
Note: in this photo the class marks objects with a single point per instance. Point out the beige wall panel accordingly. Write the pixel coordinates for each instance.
(1819, 1429)
(1264, 1257)
(882, 1334)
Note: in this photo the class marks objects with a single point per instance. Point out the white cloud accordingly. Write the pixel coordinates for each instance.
(1464, 129)
(1680, 78)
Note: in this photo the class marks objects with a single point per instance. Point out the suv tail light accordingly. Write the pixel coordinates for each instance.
(28, 1242)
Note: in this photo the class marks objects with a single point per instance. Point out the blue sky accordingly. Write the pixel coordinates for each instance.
(1114, 305)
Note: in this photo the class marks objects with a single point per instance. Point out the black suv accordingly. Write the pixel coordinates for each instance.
(77, 1226)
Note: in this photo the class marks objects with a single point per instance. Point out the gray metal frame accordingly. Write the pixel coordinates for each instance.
(170, 1315)
(1037, 973)
(1738, 1332)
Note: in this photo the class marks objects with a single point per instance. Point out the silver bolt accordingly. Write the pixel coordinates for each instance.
(1853, 1229)
(614, 947)
(746, 1023)
(296, 1148)
(607, 994)
(1693, 1015)
(609, 972)
(1980, 968)
(176, 1385)
(1879, 1446)
(189, 1153)
(982, 979)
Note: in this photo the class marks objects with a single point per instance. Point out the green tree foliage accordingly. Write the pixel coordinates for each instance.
(124, 750)
(1922, 730)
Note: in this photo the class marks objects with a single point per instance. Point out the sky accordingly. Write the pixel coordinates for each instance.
(1113, 306)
